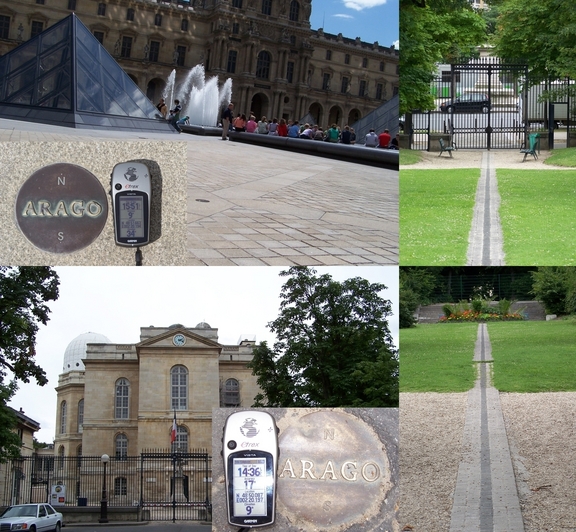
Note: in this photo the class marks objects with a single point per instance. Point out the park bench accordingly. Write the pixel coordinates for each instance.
(444, 147)
(534, 144)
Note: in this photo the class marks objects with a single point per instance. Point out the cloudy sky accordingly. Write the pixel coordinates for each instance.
(117, 301)
(371, 20)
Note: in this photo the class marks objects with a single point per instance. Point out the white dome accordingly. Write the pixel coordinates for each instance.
(76, 350)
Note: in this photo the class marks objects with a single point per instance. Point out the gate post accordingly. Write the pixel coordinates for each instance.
(489, 129)
(550, 126)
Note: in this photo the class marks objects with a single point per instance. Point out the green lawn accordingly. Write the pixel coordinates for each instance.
(410, 156)
(562, 157)
(534, 356)
(437, 357)
(436, 215)
(529, 356)
(537, 216)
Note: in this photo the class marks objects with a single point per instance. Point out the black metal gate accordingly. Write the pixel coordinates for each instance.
(176, 486)
(478, 104)
(165, 486)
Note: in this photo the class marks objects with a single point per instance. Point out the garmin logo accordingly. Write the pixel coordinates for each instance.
(74, 208)
(247, 521)
(349, 471)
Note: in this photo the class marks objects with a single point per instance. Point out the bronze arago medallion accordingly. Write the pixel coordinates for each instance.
(61, 208)
(334, 471)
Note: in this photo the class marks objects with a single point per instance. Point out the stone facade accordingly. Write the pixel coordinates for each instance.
(123, 398)
(279, 66)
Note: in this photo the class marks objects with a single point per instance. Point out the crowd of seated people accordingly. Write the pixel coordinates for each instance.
(291, 128)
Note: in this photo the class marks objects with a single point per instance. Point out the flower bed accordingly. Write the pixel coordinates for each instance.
(472, 315)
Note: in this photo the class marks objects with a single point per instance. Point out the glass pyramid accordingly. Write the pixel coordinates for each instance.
(65, 77)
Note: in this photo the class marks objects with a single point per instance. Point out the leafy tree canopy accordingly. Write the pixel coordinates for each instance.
(432, 32)
(540, 32)
(333, 346)
(24, 293)
(555, 288)
(416, 287)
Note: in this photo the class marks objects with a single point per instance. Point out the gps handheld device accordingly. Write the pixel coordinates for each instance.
(250, 452)
(131, 192)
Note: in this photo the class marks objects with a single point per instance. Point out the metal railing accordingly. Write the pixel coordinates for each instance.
(172, 485)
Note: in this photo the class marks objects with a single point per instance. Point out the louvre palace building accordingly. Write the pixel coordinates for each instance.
(121, 399)
(278, 65)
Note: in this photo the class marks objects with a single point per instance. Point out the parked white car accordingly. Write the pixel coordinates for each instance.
(32, 517)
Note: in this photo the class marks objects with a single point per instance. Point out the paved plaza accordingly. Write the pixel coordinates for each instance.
(251, 205)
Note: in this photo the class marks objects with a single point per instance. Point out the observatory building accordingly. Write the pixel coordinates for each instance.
(121, 399)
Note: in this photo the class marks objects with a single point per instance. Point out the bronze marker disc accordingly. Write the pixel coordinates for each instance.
(334, 471)
(61, 208)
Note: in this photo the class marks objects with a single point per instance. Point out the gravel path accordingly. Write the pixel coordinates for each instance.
(541, 432)
(431, 428)
(542, 436)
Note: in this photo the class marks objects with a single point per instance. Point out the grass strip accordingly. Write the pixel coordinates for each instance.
(410, 156)
(562, 157)
(436, 208)
(534, 356)
(437, 357)
(537, 216)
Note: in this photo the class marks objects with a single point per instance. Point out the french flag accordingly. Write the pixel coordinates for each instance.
(173, 433)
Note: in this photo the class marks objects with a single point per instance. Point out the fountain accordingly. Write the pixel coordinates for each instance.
(168, 93)
(201, 99)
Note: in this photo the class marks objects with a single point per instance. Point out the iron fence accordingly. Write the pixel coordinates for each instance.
(512, 286)
(487, 104)
(171, 485)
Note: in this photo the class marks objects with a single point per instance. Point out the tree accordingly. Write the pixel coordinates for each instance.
(540, 32)
(432, 32)
(416, 287)
(555, 288)
(333, 347)
(24, 293)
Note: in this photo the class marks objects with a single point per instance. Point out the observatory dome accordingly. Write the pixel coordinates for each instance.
(76, 350)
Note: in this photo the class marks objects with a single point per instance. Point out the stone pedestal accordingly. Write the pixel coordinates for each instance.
(434, 141)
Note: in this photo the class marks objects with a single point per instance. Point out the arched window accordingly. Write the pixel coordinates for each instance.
(181, 443)
(80, 414)
(121, 446)
(121, 401)
(63, 416)
(263, 65)
(231, 393)
(179, 388)
(294, 11)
